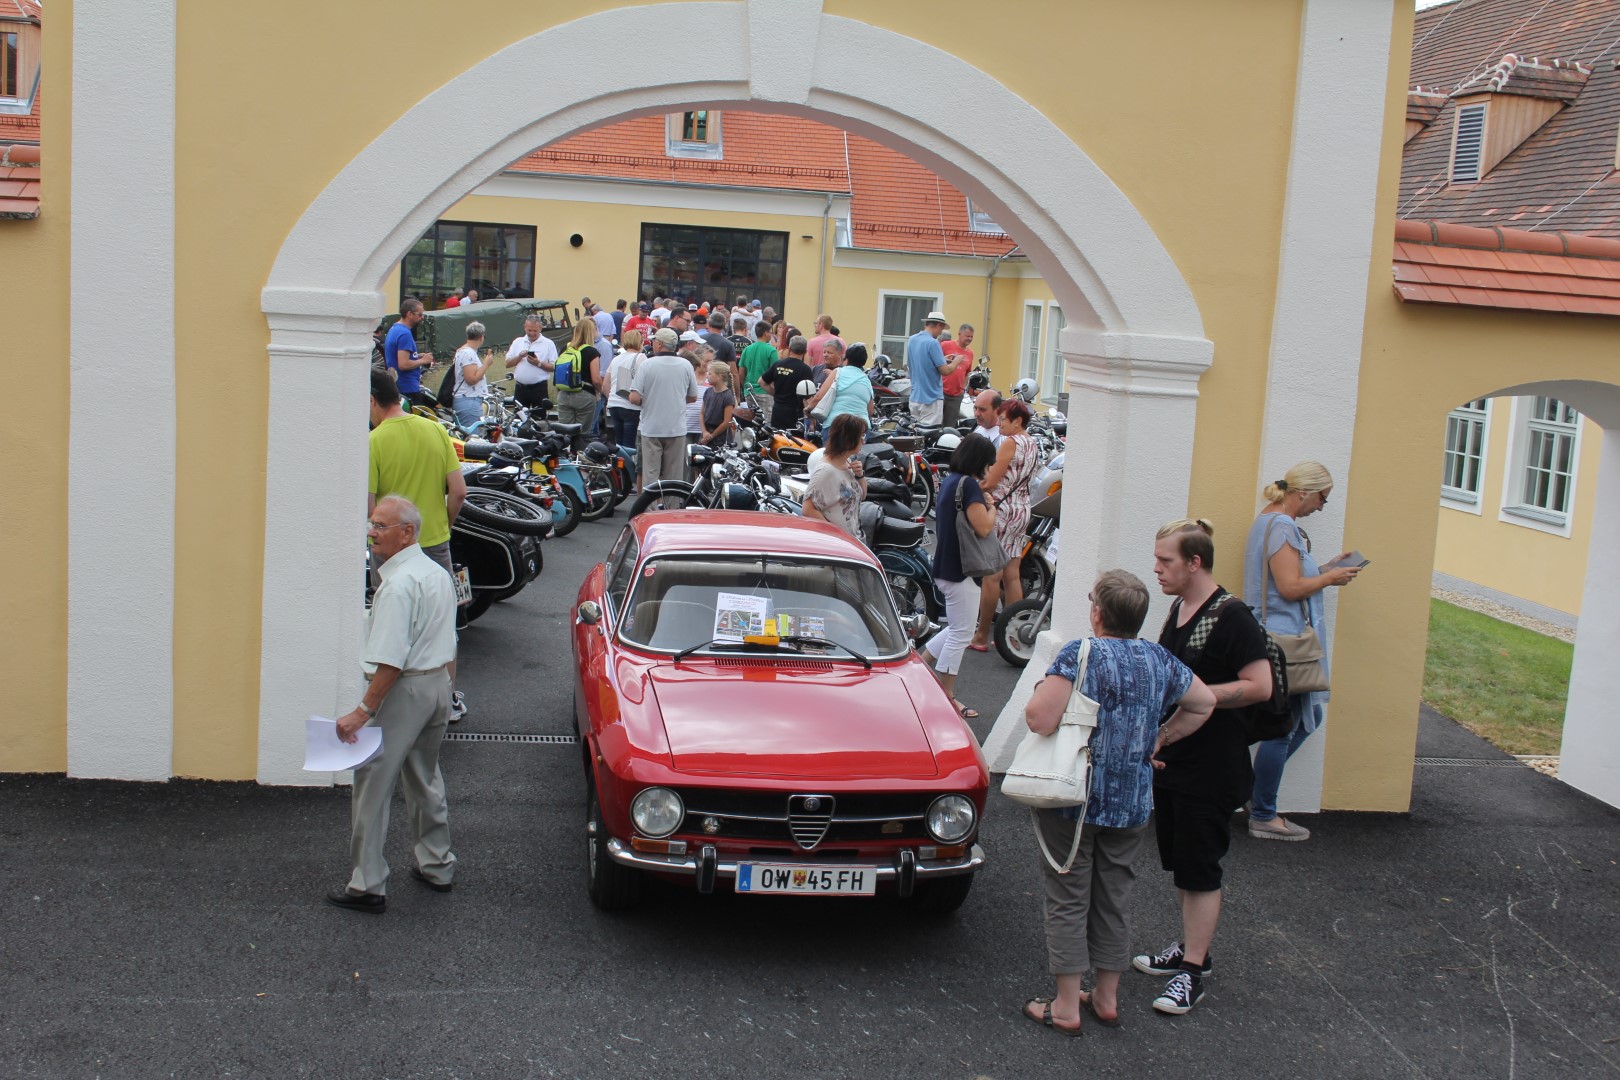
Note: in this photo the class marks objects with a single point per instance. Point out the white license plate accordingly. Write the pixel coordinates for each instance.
(463, 587)
(798, 879)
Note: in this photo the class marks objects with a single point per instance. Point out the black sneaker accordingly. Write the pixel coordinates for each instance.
(1168, 961)
(1181, 993)
(458, 707)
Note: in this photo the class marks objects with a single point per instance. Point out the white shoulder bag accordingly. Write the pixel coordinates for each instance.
(1053, 771)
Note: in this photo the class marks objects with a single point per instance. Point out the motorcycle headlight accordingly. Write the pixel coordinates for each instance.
(657, 811)
(951, 818)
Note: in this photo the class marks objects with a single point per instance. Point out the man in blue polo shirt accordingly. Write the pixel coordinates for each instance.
(399, 349)
(927, 365)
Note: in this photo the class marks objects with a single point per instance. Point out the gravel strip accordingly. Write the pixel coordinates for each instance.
(1503, 613)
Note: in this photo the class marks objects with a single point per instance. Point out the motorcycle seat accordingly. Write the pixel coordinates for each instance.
(928, 431)
(567, 429)
(894, 532)
(882, 451)
(883, 489)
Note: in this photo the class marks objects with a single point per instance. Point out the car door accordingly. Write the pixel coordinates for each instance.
(594, 644)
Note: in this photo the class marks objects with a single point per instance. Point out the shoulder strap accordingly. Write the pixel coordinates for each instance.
(1266, 577)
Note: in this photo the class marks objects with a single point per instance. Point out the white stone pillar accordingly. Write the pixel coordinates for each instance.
(315, 509)
(1590, 756)
(1127, 470)
(121, 456)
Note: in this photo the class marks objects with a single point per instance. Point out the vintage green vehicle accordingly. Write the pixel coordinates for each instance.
(444, 331)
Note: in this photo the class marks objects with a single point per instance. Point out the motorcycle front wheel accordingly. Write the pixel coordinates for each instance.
(911, 597)
(664, 495)
(1016, 629)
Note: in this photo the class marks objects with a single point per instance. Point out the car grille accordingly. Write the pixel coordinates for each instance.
(790, 819)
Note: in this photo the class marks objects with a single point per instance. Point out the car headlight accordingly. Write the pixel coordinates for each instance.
(657, 811)
(951, 818)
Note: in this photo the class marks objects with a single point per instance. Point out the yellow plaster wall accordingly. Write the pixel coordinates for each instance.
(33, 513)
(1201, 147)
(1521, 561)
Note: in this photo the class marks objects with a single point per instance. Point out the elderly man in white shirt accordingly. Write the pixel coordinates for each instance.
(410, 639)
(534, 356)
(985, 405)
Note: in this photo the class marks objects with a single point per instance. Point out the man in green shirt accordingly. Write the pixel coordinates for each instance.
(756, 358)
(413, 457)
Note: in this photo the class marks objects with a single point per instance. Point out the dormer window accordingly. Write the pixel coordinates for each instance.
(693, 135)
(980, 221)
(1468, 144)
(19, 63)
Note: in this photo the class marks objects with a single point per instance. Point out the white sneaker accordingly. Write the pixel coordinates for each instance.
(458, 707)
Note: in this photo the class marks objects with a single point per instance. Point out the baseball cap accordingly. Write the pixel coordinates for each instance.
(690, 335)
(666, 337)
(756, 303)
(644, 306)
(691, 307)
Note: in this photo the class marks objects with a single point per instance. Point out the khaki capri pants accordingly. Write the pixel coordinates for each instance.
(1087, 919)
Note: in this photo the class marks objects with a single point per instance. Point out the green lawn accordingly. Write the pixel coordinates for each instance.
(1502, 682)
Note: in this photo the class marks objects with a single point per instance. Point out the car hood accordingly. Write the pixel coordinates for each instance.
(770, 720)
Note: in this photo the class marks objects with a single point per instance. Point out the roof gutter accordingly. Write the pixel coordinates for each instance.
(821, 284)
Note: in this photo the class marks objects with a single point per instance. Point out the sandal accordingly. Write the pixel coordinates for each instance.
(1045, 1019)
(978, 648)
(965, 712)
(1105, 1021)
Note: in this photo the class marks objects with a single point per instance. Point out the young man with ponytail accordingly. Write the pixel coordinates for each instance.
(1201, 780)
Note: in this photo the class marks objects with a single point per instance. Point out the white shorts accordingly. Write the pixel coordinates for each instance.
(931, 414)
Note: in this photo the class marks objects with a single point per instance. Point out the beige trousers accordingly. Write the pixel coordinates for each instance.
(413, 718)
(1087, 910)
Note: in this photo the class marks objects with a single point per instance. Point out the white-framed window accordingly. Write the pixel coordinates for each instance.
(693, 135)
(980, 221)
(900, 315)
(1540, 486)
(1056, 377)
(1029, 350)
(1462, 470)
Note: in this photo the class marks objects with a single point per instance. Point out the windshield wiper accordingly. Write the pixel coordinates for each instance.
(800, 640)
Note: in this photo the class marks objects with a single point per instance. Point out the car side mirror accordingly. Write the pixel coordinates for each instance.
(590, 613)
(915, 624)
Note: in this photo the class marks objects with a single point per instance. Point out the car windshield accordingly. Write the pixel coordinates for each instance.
(686, 601)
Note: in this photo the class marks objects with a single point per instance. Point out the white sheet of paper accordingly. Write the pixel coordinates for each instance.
(325, 752)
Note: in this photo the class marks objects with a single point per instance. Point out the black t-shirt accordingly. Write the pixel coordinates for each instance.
(1213, 762)
(784, 378)
(724, 351)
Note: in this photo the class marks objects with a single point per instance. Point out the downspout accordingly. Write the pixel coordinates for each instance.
(821, 284)
(995, 264)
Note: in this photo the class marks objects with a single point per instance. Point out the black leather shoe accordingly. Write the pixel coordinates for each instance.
(370, 903)
(416, 872)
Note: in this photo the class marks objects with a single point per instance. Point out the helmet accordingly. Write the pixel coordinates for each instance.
(740, 497)
(807, 387)
(1025, 390)
(979, 380)
(948, 440)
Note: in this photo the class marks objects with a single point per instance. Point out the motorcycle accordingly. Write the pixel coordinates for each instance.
(723, 479)
(496, 537)
(1018, 625)
(898, 543)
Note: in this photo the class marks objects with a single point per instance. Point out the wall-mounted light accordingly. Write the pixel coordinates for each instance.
(806, 236)
(576, 240)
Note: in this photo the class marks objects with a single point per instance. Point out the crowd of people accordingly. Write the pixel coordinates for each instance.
(1171, 745)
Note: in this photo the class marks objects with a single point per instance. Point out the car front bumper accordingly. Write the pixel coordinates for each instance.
(707, 866)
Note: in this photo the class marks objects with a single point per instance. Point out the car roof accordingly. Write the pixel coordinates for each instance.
(670, 531)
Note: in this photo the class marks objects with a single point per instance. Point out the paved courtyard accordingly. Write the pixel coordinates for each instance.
(178, 930)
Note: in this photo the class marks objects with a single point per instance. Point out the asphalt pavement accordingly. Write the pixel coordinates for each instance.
(178, 930)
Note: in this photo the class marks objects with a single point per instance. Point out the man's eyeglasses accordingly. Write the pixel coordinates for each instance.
(379, 526)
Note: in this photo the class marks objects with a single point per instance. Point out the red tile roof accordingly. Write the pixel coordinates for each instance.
(1563, 176)
(20, 9)
(15, 129)
(1441, 263)
(895, 203)
(19, 182)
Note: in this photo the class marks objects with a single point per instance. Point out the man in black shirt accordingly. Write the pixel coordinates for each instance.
(782, 379)
(1202, 779)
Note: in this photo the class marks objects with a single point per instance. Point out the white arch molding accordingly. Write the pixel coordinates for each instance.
(1589, 754)
(1135, 348)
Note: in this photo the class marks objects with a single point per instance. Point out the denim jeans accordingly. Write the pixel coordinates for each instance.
(625, 423)
(1269, 761)
(469, 410)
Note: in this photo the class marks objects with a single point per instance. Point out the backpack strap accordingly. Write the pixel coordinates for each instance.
(1202, 628)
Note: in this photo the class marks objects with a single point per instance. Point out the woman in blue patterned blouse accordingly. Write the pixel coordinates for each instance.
(1135, 685)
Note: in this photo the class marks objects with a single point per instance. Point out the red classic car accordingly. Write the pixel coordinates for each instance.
(751, 713)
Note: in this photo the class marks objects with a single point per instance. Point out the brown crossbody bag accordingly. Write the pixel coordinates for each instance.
(1303, 650)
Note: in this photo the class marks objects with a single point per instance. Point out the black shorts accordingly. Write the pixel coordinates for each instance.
(1193, 836)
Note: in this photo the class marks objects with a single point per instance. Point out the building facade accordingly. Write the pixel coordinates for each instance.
(1219, 234)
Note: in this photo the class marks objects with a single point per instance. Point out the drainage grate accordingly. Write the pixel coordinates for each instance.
(508, 737)
(1475, 763)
